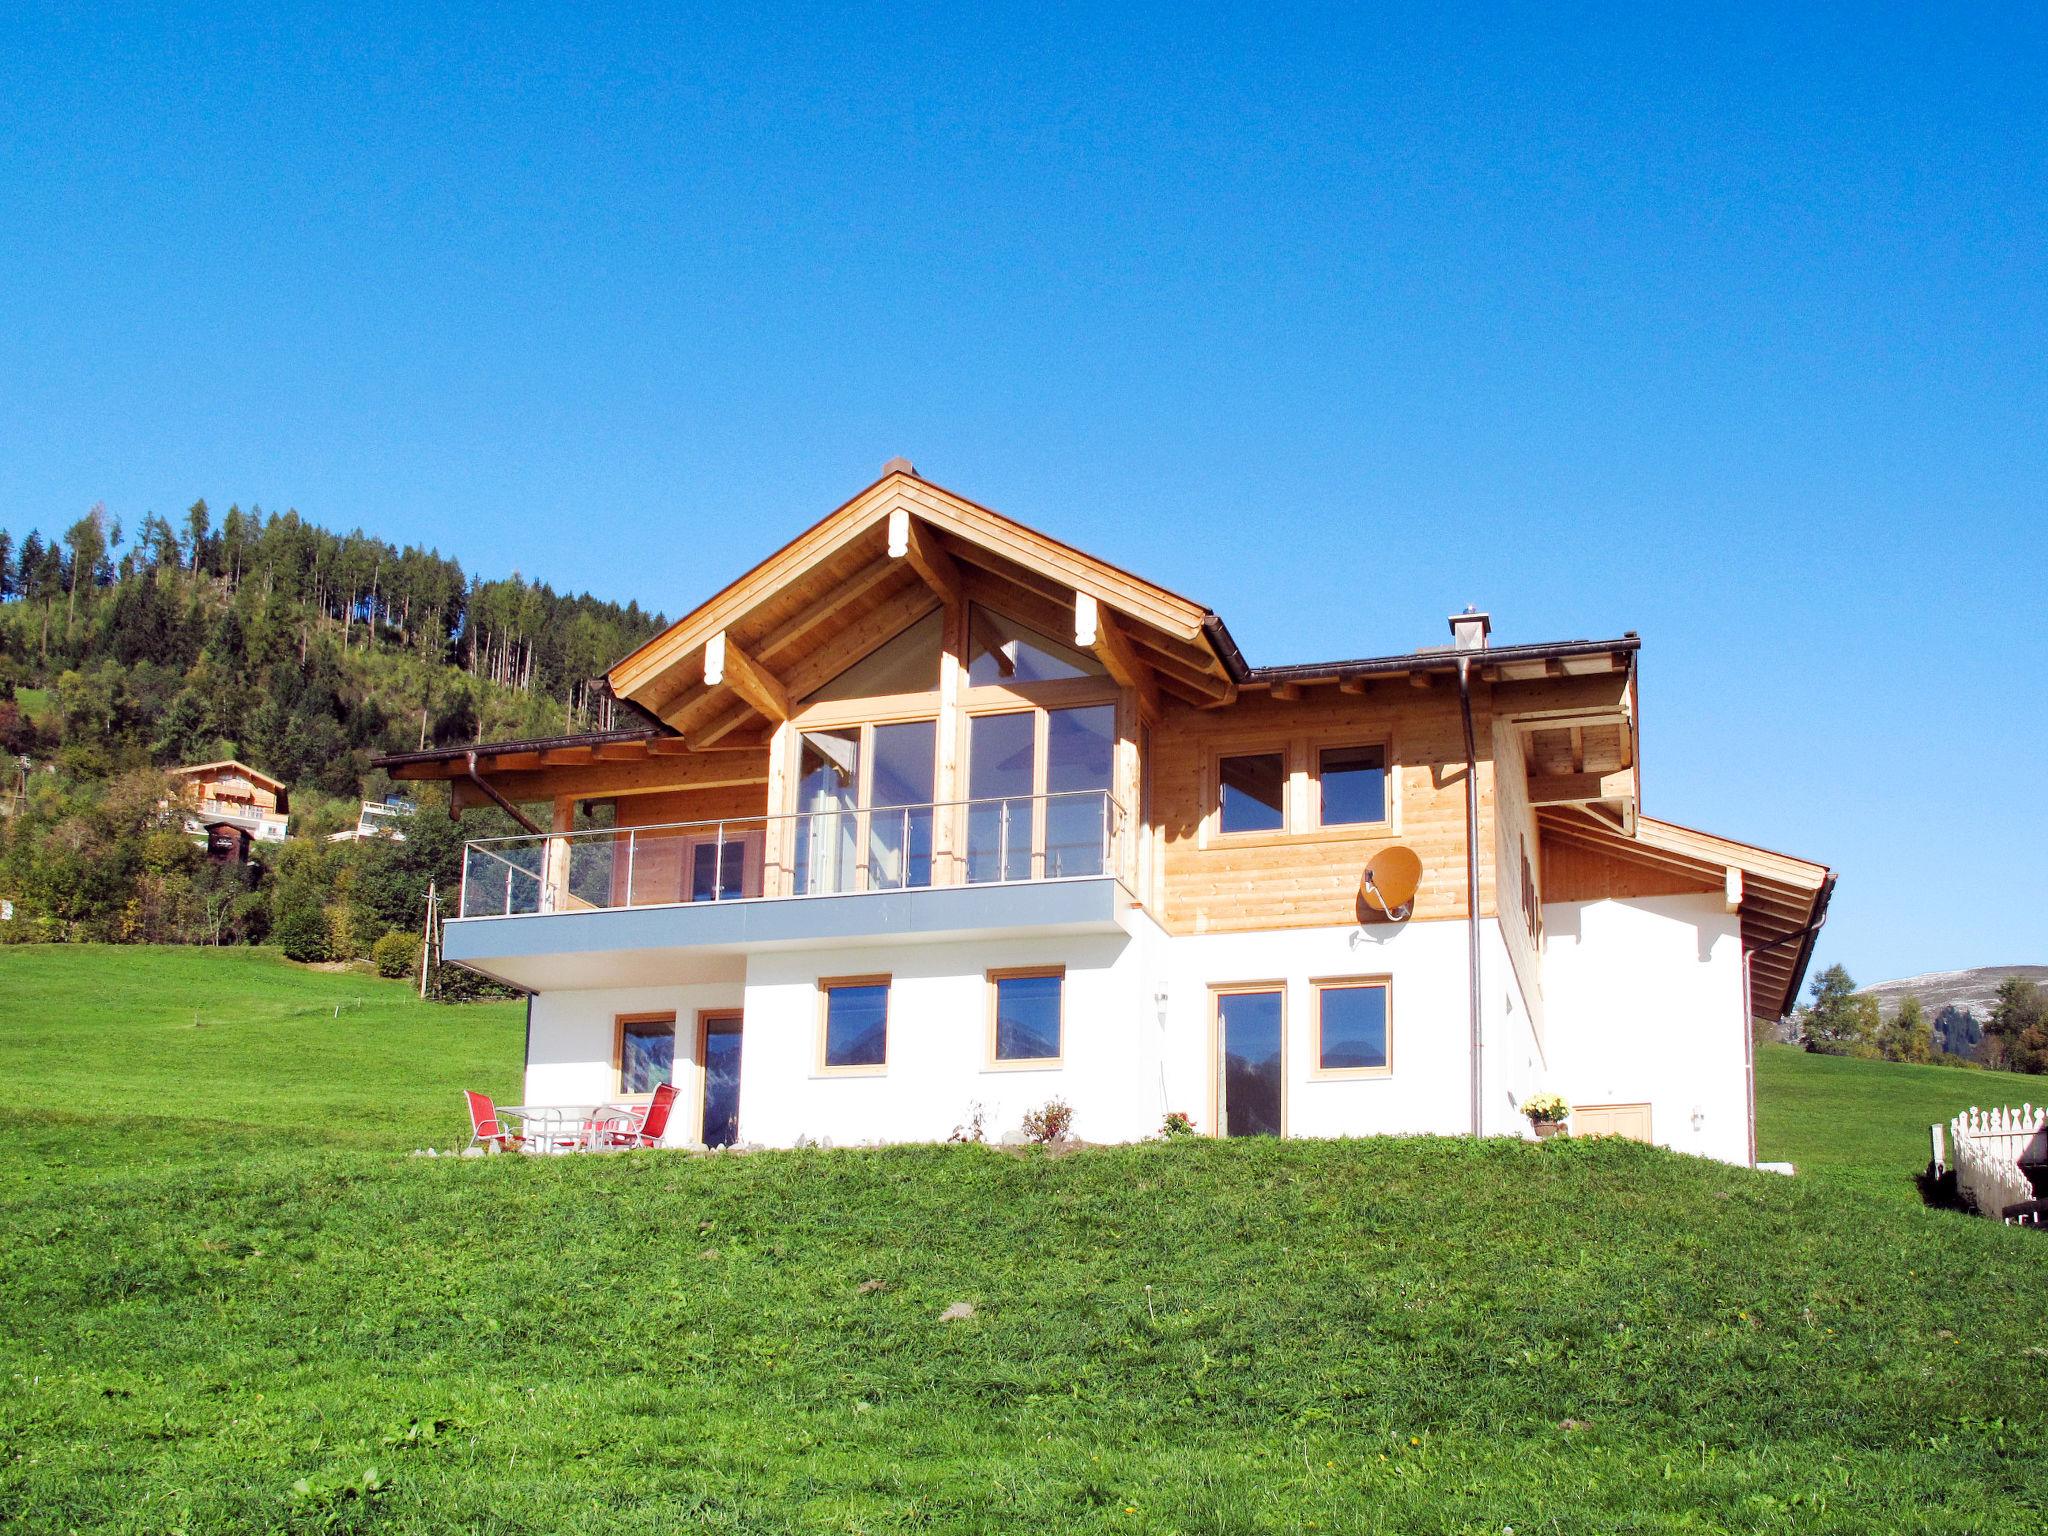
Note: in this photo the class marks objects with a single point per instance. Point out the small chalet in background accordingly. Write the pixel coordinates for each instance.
(231, 806)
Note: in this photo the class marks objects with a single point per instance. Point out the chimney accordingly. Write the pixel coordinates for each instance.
(1470, 629)
(898, 466)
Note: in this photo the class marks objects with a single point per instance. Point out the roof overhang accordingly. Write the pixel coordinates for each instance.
(1781, 900)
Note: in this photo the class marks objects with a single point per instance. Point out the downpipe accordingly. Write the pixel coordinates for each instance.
(1472, 890)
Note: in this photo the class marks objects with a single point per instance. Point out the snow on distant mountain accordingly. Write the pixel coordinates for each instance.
(1975, 989)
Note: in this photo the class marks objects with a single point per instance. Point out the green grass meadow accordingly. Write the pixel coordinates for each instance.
(230, 1302)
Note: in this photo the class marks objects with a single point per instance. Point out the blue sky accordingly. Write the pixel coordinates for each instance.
(1730, 328)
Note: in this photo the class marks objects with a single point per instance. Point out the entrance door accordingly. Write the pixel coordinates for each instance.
(1251, 1059)
(1630, 1120)
(720, 1054)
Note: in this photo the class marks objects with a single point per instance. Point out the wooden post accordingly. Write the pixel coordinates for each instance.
(948, 819)
(778, 846)
(427, 938)
(557, 873)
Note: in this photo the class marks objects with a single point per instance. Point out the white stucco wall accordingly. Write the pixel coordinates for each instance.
(569, 1044)
(1644, 1004)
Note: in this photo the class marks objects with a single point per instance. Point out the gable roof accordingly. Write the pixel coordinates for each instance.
(239, 767)
(876, 565)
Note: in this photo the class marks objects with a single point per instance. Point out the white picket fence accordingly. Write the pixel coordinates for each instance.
(1990, 1145)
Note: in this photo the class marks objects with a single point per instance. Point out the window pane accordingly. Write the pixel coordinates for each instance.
(1354, 1027)
(1253, 792)
(1001, 651)
(1080, 746)
(1354, 785)
(828, 782)
(999, 780)
(1251, 1062)
(907, 664)
(900, 838)
(856, 1026)
(1027, 1017)
(716, 876)
(721, 1082)
(647, 1056)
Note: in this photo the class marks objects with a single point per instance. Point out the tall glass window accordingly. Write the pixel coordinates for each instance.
(1001, 775)
(899, 801)
(827, 831)
(1080, 749)
(1249, 1029)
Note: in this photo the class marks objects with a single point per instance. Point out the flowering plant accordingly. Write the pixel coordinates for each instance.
(1546, 1108)
(1176, 1126)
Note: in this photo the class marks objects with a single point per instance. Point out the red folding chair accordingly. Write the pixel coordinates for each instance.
(648, 1131)
(486, 1129)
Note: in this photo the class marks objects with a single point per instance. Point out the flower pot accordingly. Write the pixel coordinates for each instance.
(1545, 1129)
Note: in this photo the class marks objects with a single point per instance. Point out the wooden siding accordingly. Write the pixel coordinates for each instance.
(1572, 872)
(1214, 884)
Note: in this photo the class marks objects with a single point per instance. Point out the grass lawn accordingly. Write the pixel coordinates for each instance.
(1865, 1122)
(211, 1321)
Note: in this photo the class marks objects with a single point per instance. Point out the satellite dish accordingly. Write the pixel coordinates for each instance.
(1388, 886)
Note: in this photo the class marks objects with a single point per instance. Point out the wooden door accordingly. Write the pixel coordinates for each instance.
(1630, 1120)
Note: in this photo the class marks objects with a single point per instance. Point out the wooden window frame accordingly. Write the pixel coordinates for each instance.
(1301, 803)
(994, 1063)
(827, 985)
(1317, 1072)
(1212, 792)
(620, 1022)
(1312, 767)
(1218, 990)
(702, 1072)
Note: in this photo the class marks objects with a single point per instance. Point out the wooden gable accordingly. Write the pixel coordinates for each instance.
(898, 551)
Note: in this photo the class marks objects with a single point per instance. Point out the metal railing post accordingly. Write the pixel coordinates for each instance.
(632, 833)
(718, 865)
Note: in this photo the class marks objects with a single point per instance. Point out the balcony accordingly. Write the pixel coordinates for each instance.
(631, 905)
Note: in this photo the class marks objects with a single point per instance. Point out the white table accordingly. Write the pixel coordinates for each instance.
(551, 1128)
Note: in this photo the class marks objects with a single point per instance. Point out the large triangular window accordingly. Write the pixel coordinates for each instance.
(1002, 651)
(907, 664)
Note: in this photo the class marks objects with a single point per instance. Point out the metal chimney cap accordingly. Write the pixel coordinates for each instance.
(898, 466)
(1470, 629)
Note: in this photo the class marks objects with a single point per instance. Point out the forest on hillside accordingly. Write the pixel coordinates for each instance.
(263, 637)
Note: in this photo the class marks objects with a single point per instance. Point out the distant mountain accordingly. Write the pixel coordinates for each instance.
(1975, 990)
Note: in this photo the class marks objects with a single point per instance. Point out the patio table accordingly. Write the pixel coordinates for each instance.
(552, 1128)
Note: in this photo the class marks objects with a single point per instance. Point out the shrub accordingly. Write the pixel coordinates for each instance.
(302, 934)
(1176, 1126)
(396, 954)
(1546, 1108)
(1049, 1124)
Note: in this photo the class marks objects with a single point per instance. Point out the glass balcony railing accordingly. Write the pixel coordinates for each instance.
(810, 853)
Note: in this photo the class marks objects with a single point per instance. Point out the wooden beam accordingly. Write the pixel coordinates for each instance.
(1206, 687)
(1578, 740)
(820, 609)
(1351, 685)
(1733, 897)
(1286, 693)
(1113, 647)
(911, 540)
(1418, 679)
(725, 662)
(603, 781)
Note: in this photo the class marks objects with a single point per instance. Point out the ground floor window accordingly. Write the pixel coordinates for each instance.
(644, 1050)
(1026, 1021)
(1352, 1028)
(853, 1024)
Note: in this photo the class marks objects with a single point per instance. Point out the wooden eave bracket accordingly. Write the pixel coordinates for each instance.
(910, 540)
(725, 662)
(1097, 629)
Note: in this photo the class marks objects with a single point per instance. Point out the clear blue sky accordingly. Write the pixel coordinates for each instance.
(1730, 328)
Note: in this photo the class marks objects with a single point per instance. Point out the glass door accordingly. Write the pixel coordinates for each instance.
(1080, 749)
(1002, 776)
(721, 1079)
(1251, 1060)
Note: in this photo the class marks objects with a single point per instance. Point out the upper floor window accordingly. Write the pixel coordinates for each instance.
(1351, 786)
(1253, 791)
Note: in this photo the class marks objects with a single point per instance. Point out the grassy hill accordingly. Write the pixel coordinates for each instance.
(229, 1296)
(1864, 1123)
